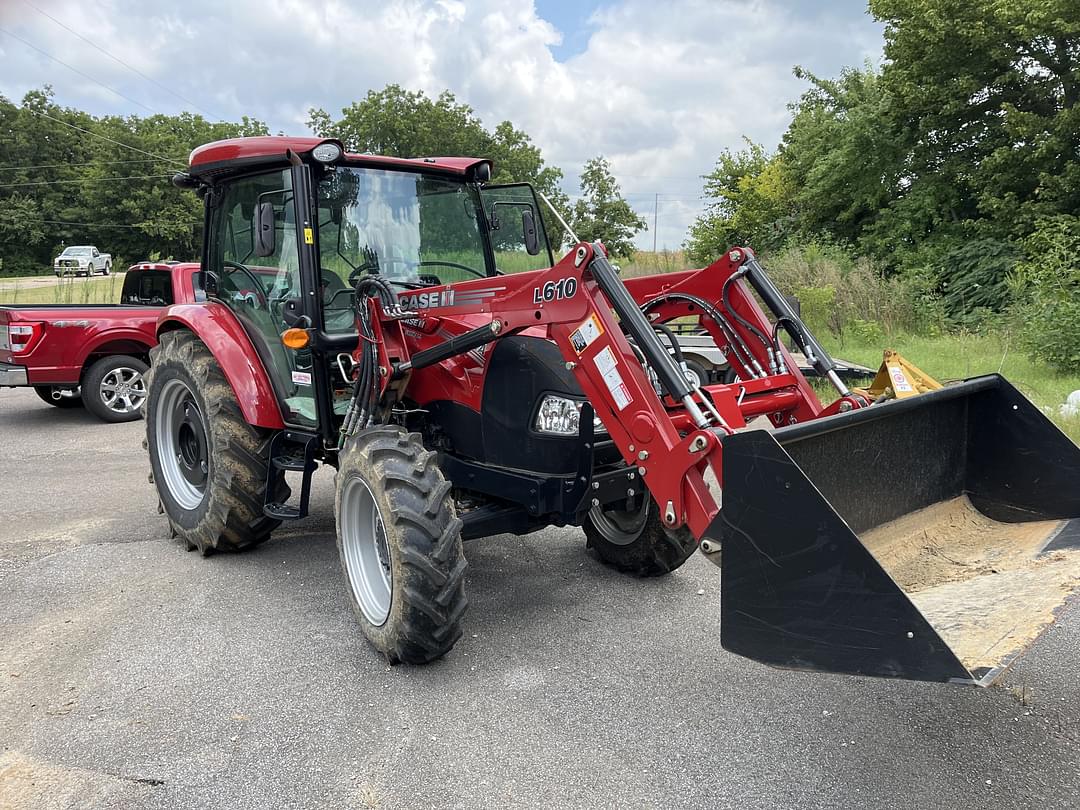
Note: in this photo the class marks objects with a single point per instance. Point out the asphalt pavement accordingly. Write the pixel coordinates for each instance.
(134, 674)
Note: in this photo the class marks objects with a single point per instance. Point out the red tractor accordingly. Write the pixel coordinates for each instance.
(406, 322)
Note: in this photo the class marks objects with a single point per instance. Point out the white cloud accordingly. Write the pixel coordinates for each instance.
(660, 89)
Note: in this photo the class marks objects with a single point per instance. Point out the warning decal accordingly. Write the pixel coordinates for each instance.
(899, 380)
(605, 362)
(586, 334)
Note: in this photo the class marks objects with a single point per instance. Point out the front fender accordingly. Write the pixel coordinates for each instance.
(216, 326)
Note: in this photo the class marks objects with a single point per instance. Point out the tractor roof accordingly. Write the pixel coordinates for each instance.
(221, 157)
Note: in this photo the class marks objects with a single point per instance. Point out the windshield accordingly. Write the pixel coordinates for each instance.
(410, 228)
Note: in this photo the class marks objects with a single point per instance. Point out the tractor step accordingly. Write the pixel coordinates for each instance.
(294, 463)
(290, 451)
(281, 511)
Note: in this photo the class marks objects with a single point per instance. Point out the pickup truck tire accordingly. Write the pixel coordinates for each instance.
(209, 465)
(108, 268)
(46, 394)
(114, 388)
(400, 545)
(637, 542)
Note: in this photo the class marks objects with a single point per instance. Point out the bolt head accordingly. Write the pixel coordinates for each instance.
(595, 501)
(641, 470)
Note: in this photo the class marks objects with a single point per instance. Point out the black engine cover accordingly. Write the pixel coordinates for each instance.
(520, 371)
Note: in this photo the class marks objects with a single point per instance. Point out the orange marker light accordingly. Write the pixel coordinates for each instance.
(295, 338)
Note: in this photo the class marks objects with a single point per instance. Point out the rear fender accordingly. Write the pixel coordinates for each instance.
(223, 334)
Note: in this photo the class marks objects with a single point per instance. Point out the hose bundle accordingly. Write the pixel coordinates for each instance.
(365, 394)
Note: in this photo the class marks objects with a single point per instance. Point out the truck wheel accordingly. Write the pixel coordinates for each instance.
(696, 374)
(209, 465)
(114, 388)
(107, 270)
(400, 545)
(636, 542)
(59, 397)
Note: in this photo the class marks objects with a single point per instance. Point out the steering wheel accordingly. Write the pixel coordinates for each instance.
(260, 295)
(330, 295)
(473, 270)
(364, 270)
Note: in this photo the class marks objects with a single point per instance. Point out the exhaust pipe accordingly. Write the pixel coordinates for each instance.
(56, 394)
(933, 538)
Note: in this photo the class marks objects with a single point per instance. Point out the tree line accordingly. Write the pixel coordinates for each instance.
(68, 177)
(955, 166)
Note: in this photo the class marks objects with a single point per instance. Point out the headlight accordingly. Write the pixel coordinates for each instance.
(561, 416)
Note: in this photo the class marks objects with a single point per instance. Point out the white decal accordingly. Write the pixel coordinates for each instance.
(301, 378)
(586, 334)
(900, 382)
(608, 366)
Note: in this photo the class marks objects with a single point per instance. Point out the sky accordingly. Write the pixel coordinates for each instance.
(660, 89)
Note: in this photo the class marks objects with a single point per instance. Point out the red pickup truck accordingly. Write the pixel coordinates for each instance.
(93, 355)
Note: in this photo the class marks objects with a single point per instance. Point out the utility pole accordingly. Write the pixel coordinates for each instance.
(655, 216)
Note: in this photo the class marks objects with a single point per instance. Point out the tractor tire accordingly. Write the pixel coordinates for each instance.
(209, 465)
(400, 544)
(637, 542)
(45, 392)
(114, 388)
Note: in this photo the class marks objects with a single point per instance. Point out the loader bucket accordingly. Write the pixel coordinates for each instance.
(932, 538)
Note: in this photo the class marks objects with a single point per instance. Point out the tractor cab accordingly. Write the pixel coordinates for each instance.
(293, 226)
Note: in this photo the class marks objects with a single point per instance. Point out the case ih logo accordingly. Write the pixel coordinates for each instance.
(448, 298)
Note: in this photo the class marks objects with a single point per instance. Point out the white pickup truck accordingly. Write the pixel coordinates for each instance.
(82, 260)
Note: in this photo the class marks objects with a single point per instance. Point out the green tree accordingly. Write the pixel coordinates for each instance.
(403, 123)
(602, 213)
(752, 203)
(105, 183)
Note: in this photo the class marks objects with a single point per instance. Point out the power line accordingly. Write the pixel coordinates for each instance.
(120, 61)
(76, 70)
(105, 138)
(103, 225)
(79, 165)
(86, 180)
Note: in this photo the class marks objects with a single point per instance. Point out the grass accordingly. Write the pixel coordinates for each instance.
(69, 290)
(955, 356)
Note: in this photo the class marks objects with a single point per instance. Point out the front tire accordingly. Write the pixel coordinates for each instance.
(400, 545)
(209, 465)
(114, 388)
(637, 542)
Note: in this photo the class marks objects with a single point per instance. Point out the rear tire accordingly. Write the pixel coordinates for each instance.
(209, 465)
(114, 388)
(400, 545)
(46, 392)
(107, 270)
(636, 542)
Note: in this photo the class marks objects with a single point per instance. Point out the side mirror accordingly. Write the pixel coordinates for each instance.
(264, 230)
(528, 230)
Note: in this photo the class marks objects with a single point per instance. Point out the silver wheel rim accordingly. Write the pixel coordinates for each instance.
(180, 434)
(619, 527)
(123, 390)
(365, 551)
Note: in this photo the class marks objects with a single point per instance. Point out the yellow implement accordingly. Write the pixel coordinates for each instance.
(898, 378)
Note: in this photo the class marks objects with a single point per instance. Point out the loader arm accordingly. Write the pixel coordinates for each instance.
(661, 425)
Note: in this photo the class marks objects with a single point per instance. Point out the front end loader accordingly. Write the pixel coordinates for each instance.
(406, 322)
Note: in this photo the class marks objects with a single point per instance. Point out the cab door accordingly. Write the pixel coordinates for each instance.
(267, 292)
